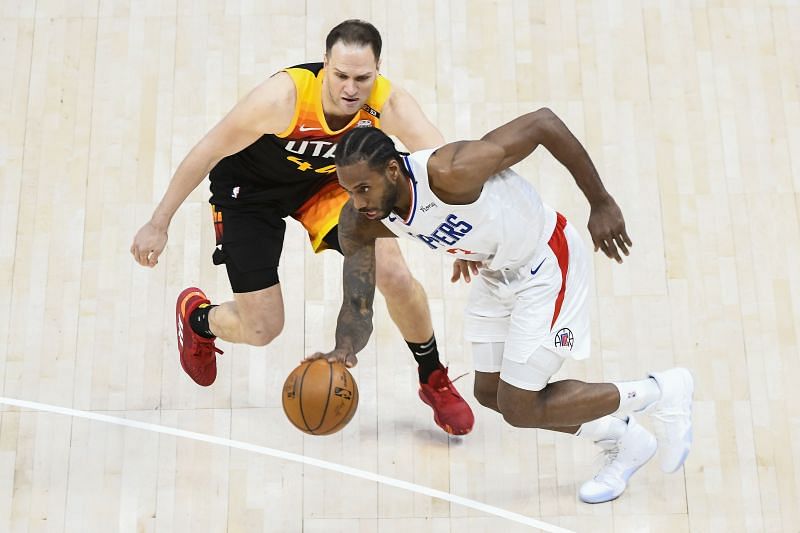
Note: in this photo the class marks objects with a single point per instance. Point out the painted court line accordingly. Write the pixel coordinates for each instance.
(363, 474)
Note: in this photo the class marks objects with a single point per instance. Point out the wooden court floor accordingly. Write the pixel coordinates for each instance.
(689, 109)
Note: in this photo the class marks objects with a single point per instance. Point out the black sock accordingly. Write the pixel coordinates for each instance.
(427, 357)
(198, 320)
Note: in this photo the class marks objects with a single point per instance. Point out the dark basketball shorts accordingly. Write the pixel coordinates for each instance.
(250, 238)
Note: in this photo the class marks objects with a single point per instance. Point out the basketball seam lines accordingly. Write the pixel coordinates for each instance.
(300, 398)
(327, 398)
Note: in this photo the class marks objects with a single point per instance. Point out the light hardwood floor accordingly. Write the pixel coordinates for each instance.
(691, 112)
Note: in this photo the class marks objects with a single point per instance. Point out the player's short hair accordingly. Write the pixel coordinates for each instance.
(357, 32)
(367, 144)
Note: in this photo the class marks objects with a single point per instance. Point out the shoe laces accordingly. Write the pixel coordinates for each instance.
(459, 377)
(607, 456)
(206, 348)
(445, 384)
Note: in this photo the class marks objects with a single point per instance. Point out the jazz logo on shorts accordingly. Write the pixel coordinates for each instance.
(564, 339)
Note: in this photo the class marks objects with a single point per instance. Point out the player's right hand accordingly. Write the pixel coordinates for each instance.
(148, 244)
(345, 356)
(607, 228)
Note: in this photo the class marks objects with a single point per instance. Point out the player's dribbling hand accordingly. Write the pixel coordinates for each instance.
(462, 267)
(347, 357)
(607, 228)
(148, 244)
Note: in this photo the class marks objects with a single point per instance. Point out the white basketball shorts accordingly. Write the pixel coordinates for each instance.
(541, 305)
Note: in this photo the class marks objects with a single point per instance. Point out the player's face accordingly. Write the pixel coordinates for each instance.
(374, 194)
(350, 73)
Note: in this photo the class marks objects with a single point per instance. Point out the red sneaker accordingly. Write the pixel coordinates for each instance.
(197, 353)
(450, 411)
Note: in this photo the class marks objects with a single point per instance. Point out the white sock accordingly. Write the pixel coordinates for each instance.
(636, 396)
(604, 428)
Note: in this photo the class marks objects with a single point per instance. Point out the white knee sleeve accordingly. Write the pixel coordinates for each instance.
(488, 356)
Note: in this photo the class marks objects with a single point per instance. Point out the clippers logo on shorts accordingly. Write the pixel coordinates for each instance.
(447, 234)
(564, 338)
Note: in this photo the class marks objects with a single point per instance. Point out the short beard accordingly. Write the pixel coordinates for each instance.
(388, 201)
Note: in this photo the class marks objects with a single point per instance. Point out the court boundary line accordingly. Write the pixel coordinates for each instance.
(289, 456)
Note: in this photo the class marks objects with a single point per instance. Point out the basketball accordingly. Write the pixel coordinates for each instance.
(319, 397)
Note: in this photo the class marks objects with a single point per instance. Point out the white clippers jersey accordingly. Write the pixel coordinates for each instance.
(506, 226)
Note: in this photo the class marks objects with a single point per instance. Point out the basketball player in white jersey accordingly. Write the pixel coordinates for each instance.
(528, 308)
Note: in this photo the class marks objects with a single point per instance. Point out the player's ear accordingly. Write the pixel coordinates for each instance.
(394, 170)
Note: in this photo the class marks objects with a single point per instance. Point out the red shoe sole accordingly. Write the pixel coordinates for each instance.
(446, 427)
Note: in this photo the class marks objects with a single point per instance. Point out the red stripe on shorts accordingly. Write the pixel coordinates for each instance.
(558, 243)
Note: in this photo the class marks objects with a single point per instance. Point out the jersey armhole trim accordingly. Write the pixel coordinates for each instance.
(296, 113)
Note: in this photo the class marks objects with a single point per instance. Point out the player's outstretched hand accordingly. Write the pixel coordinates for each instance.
(348, 358)
(607, 228)
(462, 267)
(148, 244)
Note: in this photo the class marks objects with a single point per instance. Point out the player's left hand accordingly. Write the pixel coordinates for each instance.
(345, 356)
(462, 267)
(607, 228)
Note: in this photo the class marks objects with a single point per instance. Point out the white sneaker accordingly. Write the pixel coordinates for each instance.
(623, 458)
(673, 413)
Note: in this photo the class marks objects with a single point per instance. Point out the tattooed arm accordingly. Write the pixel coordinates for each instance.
(357, 236)
(354, 325)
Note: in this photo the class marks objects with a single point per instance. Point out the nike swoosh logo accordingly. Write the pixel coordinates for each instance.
(304, 128)
(535, 270)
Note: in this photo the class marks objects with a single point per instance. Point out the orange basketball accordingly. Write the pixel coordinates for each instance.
(319, 397)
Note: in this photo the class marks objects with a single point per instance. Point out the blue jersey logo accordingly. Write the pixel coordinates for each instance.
(448, 233)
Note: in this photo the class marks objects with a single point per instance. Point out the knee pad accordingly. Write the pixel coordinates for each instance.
(488, 356)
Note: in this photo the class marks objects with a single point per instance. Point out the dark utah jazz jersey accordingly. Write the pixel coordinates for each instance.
(281, 171)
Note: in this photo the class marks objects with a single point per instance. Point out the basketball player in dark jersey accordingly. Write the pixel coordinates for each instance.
(270, 158)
